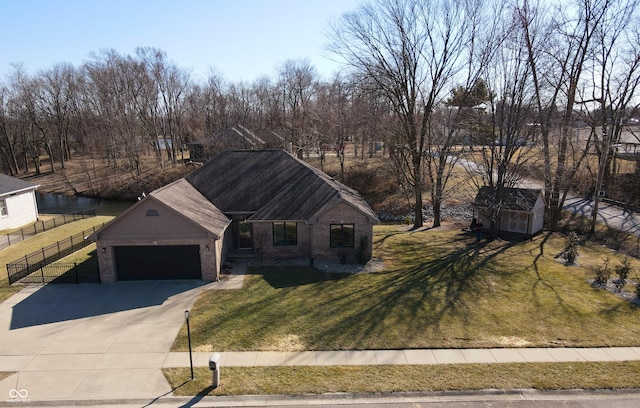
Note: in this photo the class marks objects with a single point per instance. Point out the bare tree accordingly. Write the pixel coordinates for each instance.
(508, 156)
(119, 92)
(558, 52)
(7, 142)
(616, 74)
(56, 99)
(164, 109)
(297, 82)
(411, 50)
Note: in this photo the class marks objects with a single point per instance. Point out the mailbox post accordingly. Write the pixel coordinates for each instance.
(186, 316)
(214, 366)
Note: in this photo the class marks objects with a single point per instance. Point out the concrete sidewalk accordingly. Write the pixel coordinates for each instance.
(407, 357)
(141, 360)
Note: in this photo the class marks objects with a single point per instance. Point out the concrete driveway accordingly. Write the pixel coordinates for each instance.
(91, 341)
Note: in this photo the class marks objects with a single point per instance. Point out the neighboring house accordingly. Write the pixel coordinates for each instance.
(266, 203)
(17, 202)
(237, 137)
(520, 212)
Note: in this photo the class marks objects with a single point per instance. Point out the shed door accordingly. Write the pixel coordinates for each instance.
(158, 262)
(518, 222)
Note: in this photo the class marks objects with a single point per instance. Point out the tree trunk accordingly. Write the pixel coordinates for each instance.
(437, 213)
(417, 190)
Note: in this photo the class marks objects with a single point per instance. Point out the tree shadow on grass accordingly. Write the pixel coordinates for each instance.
(289, 276)
(418, 297)
(359, 311)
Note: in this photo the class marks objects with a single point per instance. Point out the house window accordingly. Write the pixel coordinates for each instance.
(3, 208)
(341, 235)
(285, 233)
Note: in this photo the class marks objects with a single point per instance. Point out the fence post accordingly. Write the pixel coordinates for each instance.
(43, 258)
(42, 272)
(54, 222)
(8, 239)
(75, 268)
(71, 238)
(22, 232)
(9, 275)
(58, 244)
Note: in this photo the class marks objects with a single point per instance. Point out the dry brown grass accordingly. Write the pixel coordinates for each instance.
(96, 177)
(388, 379)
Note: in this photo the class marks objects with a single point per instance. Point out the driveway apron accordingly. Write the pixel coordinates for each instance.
(91, 341)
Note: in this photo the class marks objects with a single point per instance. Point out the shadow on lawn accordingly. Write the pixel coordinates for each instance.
(290, 277)
(418, 296)
(542, 282)
(391, 309)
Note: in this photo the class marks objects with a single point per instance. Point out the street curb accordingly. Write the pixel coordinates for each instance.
(343, 398)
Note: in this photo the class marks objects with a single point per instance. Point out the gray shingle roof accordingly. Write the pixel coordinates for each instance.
(518, 199)
(271, 185)
(186, 200)
(10, 184)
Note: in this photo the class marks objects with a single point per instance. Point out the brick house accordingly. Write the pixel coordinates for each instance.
(264, 203)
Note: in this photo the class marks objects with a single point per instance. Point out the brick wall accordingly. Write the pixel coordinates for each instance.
(340, 214)
(313, 240)
(263, 242)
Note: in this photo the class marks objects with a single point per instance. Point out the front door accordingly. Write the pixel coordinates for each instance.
(243, 235)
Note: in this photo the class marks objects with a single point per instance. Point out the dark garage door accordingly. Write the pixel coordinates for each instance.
(158, 262)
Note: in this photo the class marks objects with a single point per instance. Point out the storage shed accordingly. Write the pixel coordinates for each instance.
(519, 211)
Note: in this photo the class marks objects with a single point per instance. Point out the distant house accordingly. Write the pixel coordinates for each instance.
(17, 202)
(234, 138)
(519, 211)
(265, 203)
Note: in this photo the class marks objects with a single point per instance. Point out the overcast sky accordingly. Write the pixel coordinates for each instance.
(239, 39)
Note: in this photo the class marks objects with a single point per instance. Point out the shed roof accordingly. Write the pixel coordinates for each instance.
(518, 199)
(271, 185)
(10, 185)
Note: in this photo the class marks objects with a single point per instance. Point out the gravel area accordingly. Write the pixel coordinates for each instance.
(329, 265)
(448, 213)
(613, 288)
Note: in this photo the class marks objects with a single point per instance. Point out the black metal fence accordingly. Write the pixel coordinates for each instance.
(38, 260)
(59, 273)
(41, 226)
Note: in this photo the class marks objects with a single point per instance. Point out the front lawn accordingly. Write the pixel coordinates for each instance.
(439, 290)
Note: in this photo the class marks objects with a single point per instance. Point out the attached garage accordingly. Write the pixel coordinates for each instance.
(173, 233)
(158, 262)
